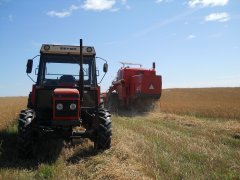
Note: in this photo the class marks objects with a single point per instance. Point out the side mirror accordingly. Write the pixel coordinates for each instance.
(29, 66)
(105, 67)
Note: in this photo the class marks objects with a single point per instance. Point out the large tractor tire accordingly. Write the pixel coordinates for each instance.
(104, 131)
(27, 135)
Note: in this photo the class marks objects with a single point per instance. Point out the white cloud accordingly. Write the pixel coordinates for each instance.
(95, 5)
(59, 14)
(220, 17)
(99, 5)
(205, 3)
(64, 13)
(191, 36)
(159, 1)
(73, 8)
(124, 1)
(128, 7)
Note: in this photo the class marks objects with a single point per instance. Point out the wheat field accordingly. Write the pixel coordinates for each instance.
(9, 109)
(202, 102)
(191, 134)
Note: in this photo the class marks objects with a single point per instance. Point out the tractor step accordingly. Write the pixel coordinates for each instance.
(81, 134)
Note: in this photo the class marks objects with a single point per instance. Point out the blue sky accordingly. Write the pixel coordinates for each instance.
(195, 43)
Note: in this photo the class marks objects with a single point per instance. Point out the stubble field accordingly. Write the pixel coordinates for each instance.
(191, 134)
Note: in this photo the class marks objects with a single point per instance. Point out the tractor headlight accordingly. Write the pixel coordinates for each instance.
(89, 49)
(59, 106)
(73, 106)
(46, 47)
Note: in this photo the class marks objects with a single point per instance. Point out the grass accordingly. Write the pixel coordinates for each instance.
(187, 141)
(172, 146)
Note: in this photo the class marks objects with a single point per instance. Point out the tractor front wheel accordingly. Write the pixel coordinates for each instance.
(104, 132)
(27, 136)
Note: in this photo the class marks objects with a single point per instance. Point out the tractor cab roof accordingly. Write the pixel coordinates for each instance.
(66, 49)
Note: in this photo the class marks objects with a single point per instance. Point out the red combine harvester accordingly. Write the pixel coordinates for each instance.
(134, 89)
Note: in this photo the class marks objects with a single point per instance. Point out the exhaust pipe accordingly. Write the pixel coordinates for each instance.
(81, 80)
(154, 65)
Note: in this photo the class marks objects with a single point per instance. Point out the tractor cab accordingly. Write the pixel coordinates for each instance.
(60, 66)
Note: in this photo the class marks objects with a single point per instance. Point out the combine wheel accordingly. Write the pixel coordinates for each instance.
(104, 132)
(27, 136)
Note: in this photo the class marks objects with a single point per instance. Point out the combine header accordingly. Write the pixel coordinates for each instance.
(134, 89)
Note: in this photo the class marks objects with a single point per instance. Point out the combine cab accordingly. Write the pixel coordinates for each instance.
(134, 89)
(66, 95)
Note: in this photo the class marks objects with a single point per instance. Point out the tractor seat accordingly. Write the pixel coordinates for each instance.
(67, 80)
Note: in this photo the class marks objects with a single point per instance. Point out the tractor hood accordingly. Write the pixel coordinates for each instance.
(65, 91)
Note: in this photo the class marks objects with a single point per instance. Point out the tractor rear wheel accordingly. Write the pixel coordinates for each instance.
(104, 132)
(27, 136)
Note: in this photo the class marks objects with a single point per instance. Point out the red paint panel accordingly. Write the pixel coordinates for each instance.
(151, 85)
(66, 91)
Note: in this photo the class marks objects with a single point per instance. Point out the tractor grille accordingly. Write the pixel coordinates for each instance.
(66, 111)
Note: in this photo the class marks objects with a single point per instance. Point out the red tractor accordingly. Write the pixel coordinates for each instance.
(66, 95)
(134, 89)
